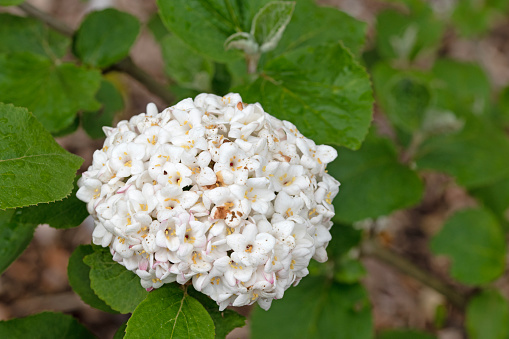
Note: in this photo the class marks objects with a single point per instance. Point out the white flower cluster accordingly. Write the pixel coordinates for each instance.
(215, 191)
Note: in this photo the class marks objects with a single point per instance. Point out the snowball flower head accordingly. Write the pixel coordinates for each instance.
(214, 192)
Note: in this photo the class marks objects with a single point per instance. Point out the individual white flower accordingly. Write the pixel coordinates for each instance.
(212, 191)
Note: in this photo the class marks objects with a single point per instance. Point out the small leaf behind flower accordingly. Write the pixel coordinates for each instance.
(270, 23)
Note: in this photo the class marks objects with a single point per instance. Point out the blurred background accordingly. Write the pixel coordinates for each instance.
(37, 280)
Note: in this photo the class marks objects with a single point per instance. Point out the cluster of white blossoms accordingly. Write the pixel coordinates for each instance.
(213, 191)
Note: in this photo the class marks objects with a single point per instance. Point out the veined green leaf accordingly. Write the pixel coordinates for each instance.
(270, 23)
(33, 167)
(322, 89)
(173, 314)
(54, 93)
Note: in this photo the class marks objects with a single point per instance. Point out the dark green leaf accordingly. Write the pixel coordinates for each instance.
(105, 37)
(46, 325)
(348, 270)
(472, 18)
(183, 64)
(323, 90)
(224, 321)
(67, 213)
(270, 23)
(79, 278)
(156, 26)
(120, 332)
(469, 155)
(474, 241)
(316, 308)
(113, 283)
(313, 25)
(495, 198)
(33, 167)
(460, 87)
(171, 313)
(488, 316)
(73, 127)
(222, 79)
(14, 237)
(54, 93)
(112, 102)
(404, 334)
(205, 25)
(373, 182)
(18, 34)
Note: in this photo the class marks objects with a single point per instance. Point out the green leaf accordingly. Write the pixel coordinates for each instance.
(488, 316)
(105, 37)
(10, 2)
(187, 67)
(270, 23)
(14, 237)
(205, 25)
(113, 283)
(461, 87)
(322, 90)
(495, 198)
(474, 241)
(222, 79)
(120, 332)
(224, 321)
(112, 103)
(404, 334)
(348, 270)
(172, 313)
(18, 34)
(313, 25)
(373, 182)
(73, 127)
(474, 18)
(46, 325)
(67, 213)
(79, 279)
(405, 37)
(33, 167)
(54, 93)
(316, 308)
(469, 155)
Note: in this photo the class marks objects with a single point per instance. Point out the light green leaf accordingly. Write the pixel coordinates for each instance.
(322, 90)
(205, 25)
(405, 37)
(33, 167)
(475, 242)
(373, 182)
(187, 67)
(46, 325)
(54, 93)
(313, 25)
(67, 213)
(172, 314)
(105, 37)
(488, 316)
(78, 273)
(10, 2)
(112, 102)
(469, 155)
(404, 334)
(270, 23)
(242, 41)
(316, 308)
(224, 321)
(18, 34)
(113, 283)
(14, 237)
(349, 270)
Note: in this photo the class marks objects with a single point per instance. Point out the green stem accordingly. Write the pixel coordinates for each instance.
(373, 249)
(126, 65)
